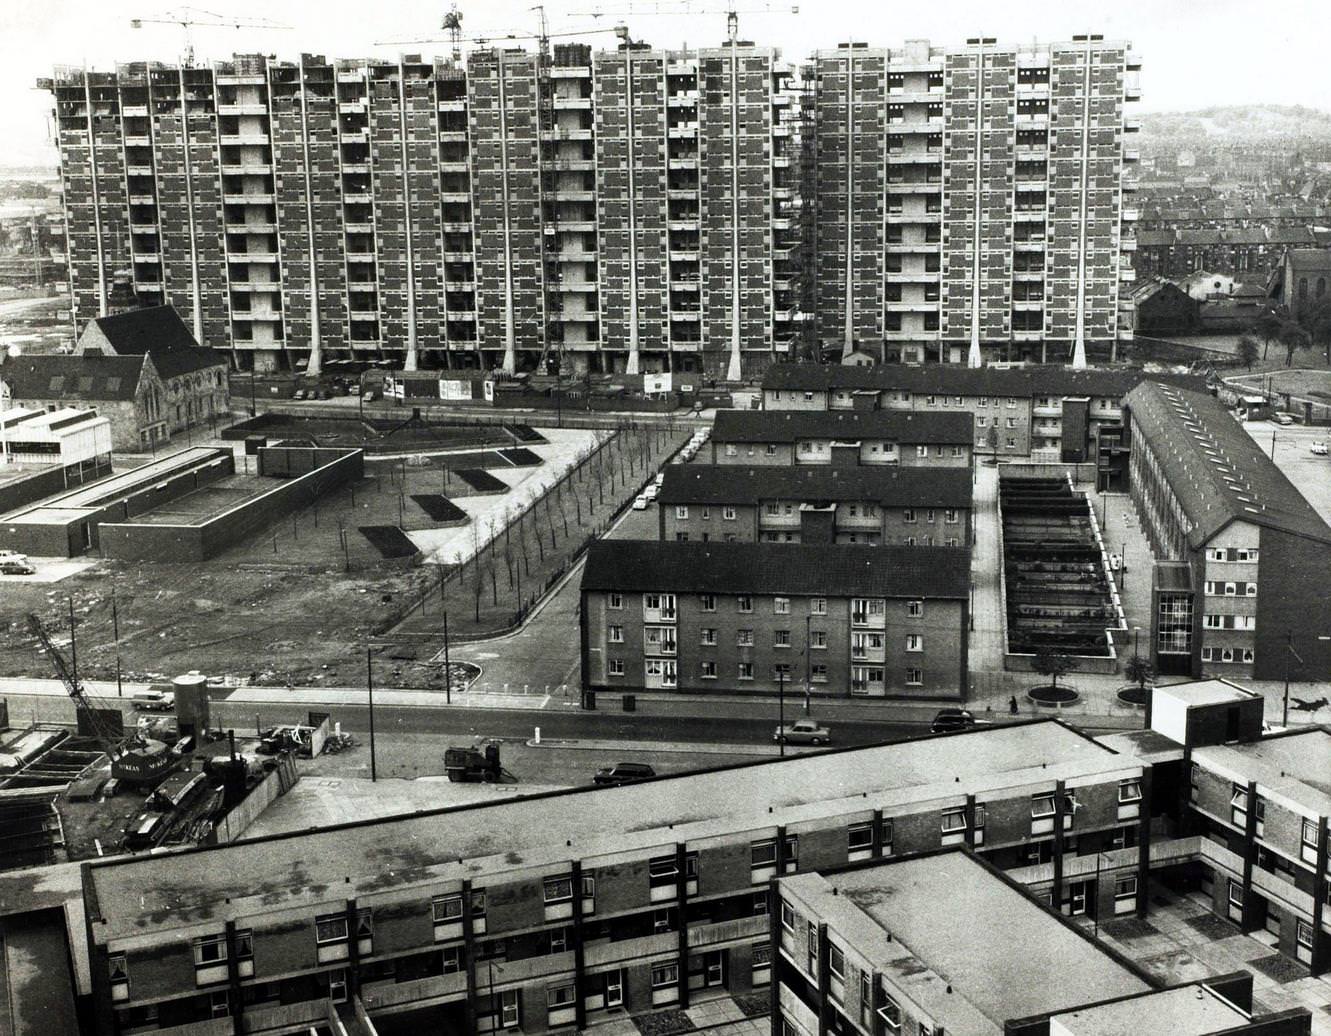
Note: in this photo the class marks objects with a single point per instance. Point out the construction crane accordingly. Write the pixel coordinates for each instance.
(189, 18)
(453, 24)
(92, 715)
(667, 9)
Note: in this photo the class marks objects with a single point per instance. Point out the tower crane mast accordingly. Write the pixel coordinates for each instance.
(109, 741)
(189, 18)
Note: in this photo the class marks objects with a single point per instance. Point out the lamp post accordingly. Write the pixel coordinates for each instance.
(369, 686)
(1289, 646)
(781, 710)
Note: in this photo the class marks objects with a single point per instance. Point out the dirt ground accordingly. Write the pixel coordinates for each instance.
(294, 611)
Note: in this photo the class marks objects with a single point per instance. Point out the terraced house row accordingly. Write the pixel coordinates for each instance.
(630, 210)
(556, 911)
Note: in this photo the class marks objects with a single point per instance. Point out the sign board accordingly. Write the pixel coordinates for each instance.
(489, 391)
(652, 384)
(454, 391)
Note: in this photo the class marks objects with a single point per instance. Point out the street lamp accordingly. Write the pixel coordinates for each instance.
(781, 709)
(1289, 646)
(1136, 632)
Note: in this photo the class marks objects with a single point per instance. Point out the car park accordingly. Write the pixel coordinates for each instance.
(640, 504)
(623, 773)
(803, 732)
(952, 719)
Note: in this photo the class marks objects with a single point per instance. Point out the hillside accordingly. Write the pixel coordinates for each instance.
(1240, 122)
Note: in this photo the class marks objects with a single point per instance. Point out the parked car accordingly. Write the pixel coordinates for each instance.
(651, 491)
(803, 732)
(640, 504)
(659, 481)
(14, 567)
(952, 719)
(1318, 448)
(1283, 419)
(623, 773)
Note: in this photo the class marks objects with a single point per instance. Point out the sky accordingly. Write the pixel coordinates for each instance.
(1195, 53)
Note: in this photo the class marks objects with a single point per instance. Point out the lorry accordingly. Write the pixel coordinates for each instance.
(474, 764)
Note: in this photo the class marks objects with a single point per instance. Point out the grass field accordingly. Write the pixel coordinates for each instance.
(1312, 386)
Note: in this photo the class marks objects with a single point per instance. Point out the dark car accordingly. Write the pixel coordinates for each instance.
(623, 773)
(952, 719)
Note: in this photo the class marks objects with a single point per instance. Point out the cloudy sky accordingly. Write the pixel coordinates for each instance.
(1195, 52)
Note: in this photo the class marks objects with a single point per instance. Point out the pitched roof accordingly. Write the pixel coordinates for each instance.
(1216, 471)
(1292, 236)
(799, 569)
(1309, 258)
(781, 426)
(955, 379)
(159, 332)
(746, 486)
(74, 377)
(1156, 238)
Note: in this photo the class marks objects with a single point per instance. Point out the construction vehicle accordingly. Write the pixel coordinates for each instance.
(136, 759)
(474, 764)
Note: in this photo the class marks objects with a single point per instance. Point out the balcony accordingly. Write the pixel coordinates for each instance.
(459, 285)
(143, 170)
(1032, 152)
(560, 133)
(359, 228)
(686, 314)
(462, 314)
(566, 194)
(904, 247)
(142, 199)
(915, 187)
(134, 111)
(360, 257)
(682, 163)
(354, 136)
(1127, 244)
(571, 226)
(248, 169)
(573, 103)
(452, 136)
(1131, 154)
(1040, 185)
(682, 193)
(1037, 215)
(684, 130)
(376, 995)
(359, 285)
(780, 162)
(746, 928)
(251, 108)
(912, 277)
(263, 287)
(362, 168)
(453, 256)
(1033, 121)
(454, 104)
(247, 199)
(455, 196)
(1131, 215)
(576, 255)
(138, 140)
(568, 287)
(266, 258)
(143, 285)
(363, 314)
(256, 316)
(571, 72)
(913, 306)
(141, 256)
(682, 99)
(455, 227)
(240, 140)
(919, 156)
(914, 217)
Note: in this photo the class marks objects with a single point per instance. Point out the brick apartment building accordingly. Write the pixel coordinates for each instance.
(905, 506)
(973, 202)
(736, 618)
(1048, 412)
(1239, 587)
(546, 912)
(627, 211)
(857, 954)
(880, 437)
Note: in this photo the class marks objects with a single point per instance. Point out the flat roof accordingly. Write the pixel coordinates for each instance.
(1186, 1011)
(1206, 692)
(1023, 961)
(79, 500)
(1294, 766)
(143, 894)
(890, 485)
(785, 426)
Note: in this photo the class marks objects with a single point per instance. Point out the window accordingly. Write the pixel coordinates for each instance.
(744, 671)
(886, 831)
(908, 515)
(771, 449)
(836, 962)
(728, 513)
(1129, 791)
(560, 996)
(614, 667)
(781, 605)
(954, 820)
(558, 890)
(818, 673)
(950, 516)
(914, 642)
(708, 602)
(744, 602)
(615, 601)
(781, 638)
(330, 928)
(914, 677)
(890, 1013)
(787, 917)
(761, 961)
(811, 960)
(707, 670)
(744, 638)
(763, 854)
(509, 1014)
(930, 515)
(682, 512)
(1308, 848)
(615, 634)
(921, 451)
(732, 450)
(445, 909)
(210, 949)
(1042, 805)
(818, 606)
(818, 640)
(665, 975)
(1125, 888)
(859, 837)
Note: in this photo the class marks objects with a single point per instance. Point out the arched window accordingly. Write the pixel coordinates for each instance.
(1321, 286)
(1303, 287)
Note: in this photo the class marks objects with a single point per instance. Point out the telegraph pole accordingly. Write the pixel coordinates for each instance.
(369, 685)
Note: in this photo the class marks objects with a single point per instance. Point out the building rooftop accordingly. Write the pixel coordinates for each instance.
(156, 331)
(886, 485)
(778, 568)
(922, 917)
(1217, 472)
(783, 426)
(161, 893)
(1192, 1010)
(956, 379)
(1308, 259)
(1296, 767)
(89, 378)
(1206, 692)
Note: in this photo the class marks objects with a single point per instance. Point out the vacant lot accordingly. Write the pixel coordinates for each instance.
(303, 598)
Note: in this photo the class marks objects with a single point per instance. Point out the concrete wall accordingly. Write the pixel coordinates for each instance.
(205, 540)
(275, 784)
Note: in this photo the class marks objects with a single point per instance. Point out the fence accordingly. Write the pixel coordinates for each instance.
(276, 782)
(459, 574)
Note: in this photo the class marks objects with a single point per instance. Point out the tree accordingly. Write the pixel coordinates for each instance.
(1316, 321)
(1248, 350)
(1267, 328)
(1140, 671)
(1053, 663)
(1293, 338)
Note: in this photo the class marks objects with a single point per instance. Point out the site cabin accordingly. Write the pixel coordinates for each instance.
(471, 764)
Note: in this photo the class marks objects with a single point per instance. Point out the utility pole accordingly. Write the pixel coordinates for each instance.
(448, 670)
(115, 633)
(369, 685)
(74, 651)
(781, 710)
